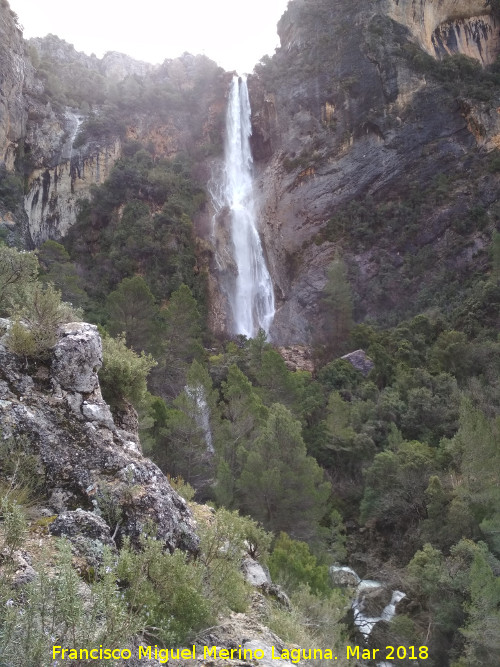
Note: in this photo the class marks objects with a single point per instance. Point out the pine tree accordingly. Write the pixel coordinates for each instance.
(338, 307)
(244, 415)
(281, 486)
(182, 330)
(132, 311)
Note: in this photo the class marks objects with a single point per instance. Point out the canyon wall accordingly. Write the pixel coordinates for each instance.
(342, 114)
(13, 72)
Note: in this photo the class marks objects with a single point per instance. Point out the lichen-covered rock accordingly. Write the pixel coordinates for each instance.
(77, 357)
(86, 461)
(80, 522)
(88, 534)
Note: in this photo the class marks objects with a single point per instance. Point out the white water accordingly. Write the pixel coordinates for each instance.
(367, 623)
(74, 122)
(201, 413)
(252, 297)
(363, 622)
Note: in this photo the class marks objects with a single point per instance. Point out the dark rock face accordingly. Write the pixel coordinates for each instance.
(87, 463)
(341, 114)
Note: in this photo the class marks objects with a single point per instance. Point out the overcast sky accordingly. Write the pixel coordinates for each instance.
(234, 33)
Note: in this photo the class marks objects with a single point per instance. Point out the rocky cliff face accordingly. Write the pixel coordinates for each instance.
(39, 121)
(13, 72)
(87, 461)
(449, 26)
(342, 114)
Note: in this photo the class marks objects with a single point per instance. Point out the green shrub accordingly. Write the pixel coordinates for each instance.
(292, 564)
(183, 488)
(17, 272)
(19, 474)
(312, 622)
(222, 544)
(123, 373)
(166, 591)
(57, 609)
(11, 189)
(34, 332)
(14, 525)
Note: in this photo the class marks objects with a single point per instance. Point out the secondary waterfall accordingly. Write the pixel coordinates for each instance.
(251, 297)
(202, 413)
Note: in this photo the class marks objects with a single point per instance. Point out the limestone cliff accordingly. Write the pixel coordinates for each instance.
(449, 26)
(348, 110)
(57, 124)
(342, 114)
(85, 459)
(13, 72)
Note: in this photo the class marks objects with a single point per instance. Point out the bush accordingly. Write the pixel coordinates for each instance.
(166, 591)
(123, 373)
(34, 332)
(222, 543)
(14, 525)
(292, 564)
(312, 622)
(183, 488)
(11, 189)
(17, 272)
(56, 609)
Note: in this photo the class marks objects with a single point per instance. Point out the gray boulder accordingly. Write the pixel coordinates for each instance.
(360, 361)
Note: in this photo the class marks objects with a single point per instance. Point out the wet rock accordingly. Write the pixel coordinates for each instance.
(373, 601)
(343, 576)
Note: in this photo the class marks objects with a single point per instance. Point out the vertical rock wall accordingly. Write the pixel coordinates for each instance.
(51, 201)
(12, 75)
(449, 26)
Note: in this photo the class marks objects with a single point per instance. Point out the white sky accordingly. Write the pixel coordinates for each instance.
(234, 33)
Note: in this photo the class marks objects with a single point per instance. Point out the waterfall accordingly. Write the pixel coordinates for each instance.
(201, 413)
(251, 294)
(366, 622)
(74, 121)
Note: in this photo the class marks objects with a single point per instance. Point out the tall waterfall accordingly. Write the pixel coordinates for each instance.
(251, 296)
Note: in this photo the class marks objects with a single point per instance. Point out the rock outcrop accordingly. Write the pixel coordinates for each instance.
(87, 462)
